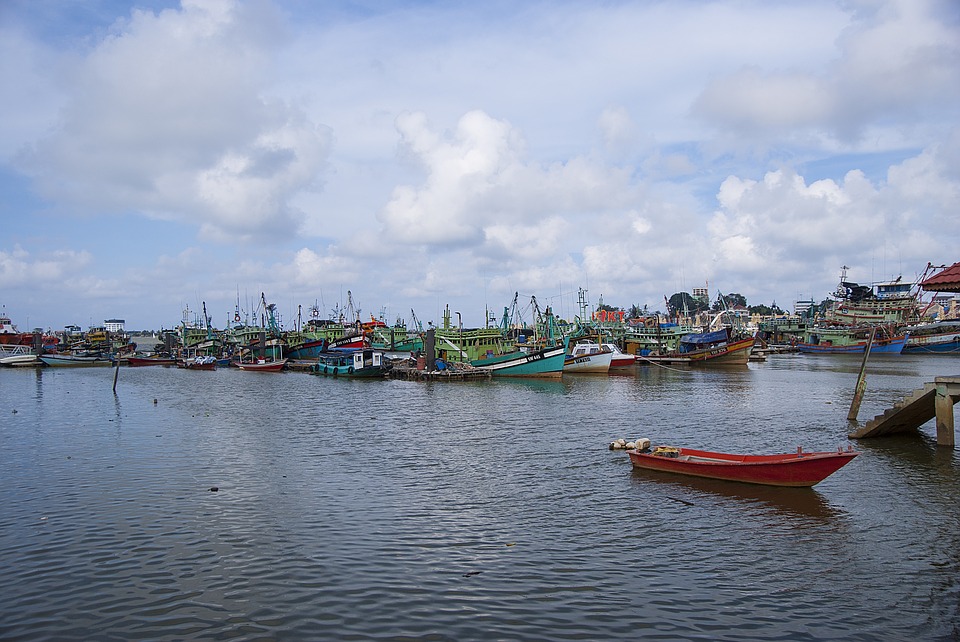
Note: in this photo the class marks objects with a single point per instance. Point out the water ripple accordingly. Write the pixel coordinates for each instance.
(492, 510)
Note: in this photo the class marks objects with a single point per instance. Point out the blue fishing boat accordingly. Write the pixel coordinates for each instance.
(939, 337)
(851, 341)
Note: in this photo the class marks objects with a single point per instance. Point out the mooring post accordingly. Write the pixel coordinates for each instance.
(861, 380)
(944, 409)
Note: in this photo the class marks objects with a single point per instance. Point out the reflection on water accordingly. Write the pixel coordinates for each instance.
(469, 510)
(775, 502)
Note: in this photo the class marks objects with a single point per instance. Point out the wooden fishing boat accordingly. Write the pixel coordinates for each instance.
(199, 363)
(800, 469)
(73, 360)
(262, 365)
(150, 361)
(938, 337)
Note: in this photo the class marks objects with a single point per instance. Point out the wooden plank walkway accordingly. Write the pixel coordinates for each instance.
(934, 399)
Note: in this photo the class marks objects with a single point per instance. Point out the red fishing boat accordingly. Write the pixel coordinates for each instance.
(790, 469)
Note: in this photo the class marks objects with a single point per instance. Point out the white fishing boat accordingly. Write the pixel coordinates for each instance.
(17, 355)
(587, 357)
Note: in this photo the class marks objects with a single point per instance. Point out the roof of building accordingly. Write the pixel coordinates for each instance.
(947, 280)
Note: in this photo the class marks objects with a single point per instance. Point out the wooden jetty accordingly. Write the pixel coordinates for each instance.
(412, 373)
(934, 399)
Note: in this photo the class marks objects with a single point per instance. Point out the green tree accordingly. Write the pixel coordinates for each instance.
(728, 301)
(683, 302)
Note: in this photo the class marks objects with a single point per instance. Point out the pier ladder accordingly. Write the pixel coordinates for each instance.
(935, 399)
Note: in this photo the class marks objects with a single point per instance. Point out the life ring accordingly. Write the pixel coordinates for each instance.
(236, 317)
(650, 322)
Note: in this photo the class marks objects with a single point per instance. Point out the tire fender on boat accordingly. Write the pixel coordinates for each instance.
(350, 370)
(650, 322)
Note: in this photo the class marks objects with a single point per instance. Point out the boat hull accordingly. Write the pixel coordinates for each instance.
(547, 363)
(892, 345)
(736, 353)
(267, 366)
(597, 363)
(356, 364)
(136, 362)
(798, 469)
(19, 360)
(73, 361)
(937, 338)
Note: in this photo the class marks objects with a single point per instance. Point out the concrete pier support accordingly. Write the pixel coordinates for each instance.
(948, 393)
(934, 400)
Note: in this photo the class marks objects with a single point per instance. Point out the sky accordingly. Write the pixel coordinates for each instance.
(158, 156)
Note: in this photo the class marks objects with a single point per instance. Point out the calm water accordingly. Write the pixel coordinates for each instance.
(467, 511)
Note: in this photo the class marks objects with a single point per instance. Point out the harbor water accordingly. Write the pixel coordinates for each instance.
(232, 505)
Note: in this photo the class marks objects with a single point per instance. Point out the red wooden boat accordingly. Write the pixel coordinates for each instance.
(790, 469)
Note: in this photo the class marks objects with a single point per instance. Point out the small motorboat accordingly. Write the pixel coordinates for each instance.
(262, 365)
(799, 468)
(199, 363)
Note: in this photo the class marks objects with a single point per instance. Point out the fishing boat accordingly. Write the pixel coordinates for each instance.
(544, 362)
(717, 348)
(587, 357)
(852, 340)
(74, 360)
(356, 364)
(801, 469)
(620, 360)
(262, 365)
(203, 362)
(17, 355)
(938, 337)
(150, 361)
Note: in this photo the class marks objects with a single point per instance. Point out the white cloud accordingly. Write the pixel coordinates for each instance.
(896, 60)
(477, 179)
(18, 267)
(168, 116)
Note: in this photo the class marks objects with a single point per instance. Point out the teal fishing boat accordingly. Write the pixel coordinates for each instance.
(545, 362)
(354, 364)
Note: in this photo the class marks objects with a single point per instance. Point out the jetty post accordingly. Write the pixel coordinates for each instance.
(947, 394)
(861, 380)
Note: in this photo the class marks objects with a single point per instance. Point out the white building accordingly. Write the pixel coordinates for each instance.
(114, 325)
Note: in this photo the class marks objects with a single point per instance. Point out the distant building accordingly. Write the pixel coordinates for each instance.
(114, 325)
(802, 307)
(702, 294)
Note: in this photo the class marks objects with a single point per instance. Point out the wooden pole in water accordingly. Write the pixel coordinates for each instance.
(861, 380)
(116, 373)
